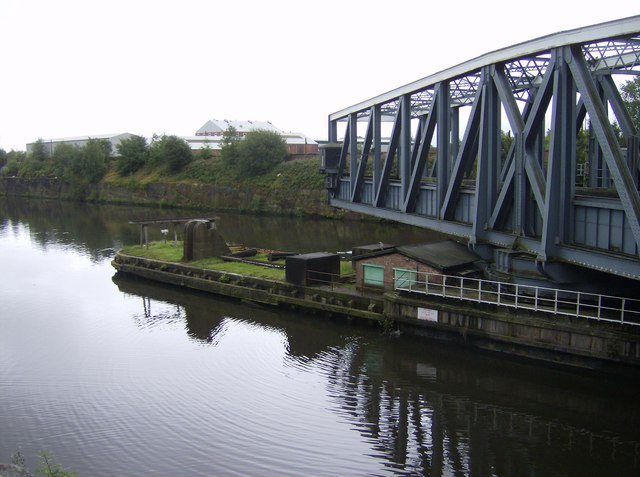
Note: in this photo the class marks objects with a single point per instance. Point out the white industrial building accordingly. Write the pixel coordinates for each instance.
(80, 141)
(210, 135)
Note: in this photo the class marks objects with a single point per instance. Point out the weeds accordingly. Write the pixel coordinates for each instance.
(48, 466)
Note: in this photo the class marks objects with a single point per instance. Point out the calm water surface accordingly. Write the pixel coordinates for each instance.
(121, 377)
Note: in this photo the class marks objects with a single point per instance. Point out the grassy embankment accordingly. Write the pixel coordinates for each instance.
(169, 253)
(270, 190)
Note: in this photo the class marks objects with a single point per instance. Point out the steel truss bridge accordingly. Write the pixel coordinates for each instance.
(431, 153)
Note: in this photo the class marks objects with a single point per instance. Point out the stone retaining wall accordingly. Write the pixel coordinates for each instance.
(312, 202)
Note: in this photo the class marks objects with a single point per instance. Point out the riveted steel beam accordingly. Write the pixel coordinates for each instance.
(550, 90)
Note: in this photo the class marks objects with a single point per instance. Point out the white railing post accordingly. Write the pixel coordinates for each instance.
(578, 305)
(599, 306)
(624, 302)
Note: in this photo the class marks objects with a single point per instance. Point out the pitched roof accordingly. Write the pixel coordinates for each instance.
(442, 255)
(242, 126)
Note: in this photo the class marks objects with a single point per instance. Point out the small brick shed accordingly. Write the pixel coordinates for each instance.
(375, 268)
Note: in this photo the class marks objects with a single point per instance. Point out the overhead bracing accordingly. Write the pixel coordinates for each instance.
(441, 164)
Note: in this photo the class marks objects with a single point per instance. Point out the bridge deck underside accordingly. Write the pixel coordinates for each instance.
(534, 150)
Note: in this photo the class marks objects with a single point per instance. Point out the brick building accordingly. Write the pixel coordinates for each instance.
(375, 264)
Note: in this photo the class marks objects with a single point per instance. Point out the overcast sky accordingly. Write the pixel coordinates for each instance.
(80, 67)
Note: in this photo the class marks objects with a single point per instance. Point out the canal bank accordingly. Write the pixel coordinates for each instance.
(552, 338)
(289, 192)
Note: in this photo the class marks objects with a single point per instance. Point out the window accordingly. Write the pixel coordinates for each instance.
(373, 275)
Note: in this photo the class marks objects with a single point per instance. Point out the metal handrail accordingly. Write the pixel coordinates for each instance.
(552, 301)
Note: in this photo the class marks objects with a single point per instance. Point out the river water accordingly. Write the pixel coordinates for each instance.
(122, 377)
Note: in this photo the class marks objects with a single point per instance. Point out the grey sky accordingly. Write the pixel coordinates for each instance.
(80, 67)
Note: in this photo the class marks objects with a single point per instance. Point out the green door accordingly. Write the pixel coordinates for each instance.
(373, 275)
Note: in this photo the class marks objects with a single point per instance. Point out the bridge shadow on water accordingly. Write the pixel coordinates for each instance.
(425, 408)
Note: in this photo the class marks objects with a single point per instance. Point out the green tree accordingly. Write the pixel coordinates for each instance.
(15, 160)
(133, 153)
(3, 158)
(11, 168)
(630, 92)
(170, 150)
(96, 154)
(259, 152)
(39, 151)
(507, 140)
(229, 147)
(18, 156)
(67, 160)
(617, 130)
(206, 152)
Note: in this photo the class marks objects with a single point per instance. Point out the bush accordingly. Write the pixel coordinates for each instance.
(11, 169)
(260, 151)
(170, 150)
(133, 153)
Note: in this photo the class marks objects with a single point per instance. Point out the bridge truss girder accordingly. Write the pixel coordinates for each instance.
(530, 199)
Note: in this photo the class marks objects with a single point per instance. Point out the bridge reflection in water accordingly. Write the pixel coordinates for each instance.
(424, 408)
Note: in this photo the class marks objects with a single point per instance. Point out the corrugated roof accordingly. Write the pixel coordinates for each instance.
(84, 138)
(242, 126)
(198, 142)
